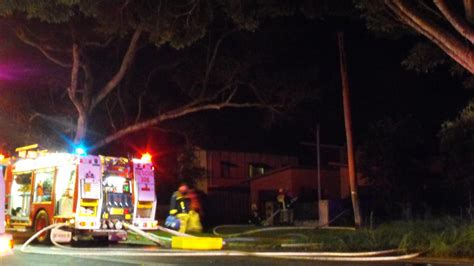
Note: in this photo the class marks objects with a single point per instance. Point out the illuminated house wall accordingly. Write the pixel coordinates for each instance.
(295, 180)
(233, 169)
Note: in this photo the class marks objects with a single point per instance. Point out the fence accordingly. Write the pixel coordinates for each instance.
(226, 207)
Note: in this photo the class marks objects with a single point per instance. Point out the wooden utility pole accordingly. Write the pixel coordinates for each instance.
(318, 154)
(348, 125)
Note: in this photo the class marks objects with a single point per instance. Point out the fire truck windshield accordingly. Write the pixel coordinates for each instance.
(117, 184)
(20, 196)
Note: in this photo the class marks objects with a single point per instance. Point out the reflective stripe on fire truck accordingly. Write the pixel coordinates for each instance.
(145, 198)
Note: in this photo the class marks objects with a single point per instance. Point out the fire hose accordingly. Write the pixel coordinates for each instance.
(319, 256)
(267, 229)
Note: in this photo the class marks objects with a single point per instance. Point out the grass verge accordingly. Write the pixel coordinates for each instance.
(440, 238)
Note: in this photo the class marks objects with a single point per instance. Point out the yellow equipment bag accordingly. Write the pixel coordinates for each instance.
(196, 243)
(194, 223)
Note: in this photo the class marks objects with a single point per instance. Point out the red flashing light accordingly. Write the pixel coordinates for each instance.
(146, 158)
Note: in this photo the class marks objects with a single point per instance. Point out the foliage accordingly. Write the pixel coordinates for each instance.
(457, 148)
(442, 238)
(392, 159)
(385, 19)
(424, 57)
(116, 18)
(99, 43)
(378, 20)
(457, 143)
(189, 170)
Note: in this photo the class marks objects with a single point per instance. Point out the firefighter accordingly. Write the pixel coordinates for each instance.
(194, 220)
(255, 218)
(284, 202)
(180, 206)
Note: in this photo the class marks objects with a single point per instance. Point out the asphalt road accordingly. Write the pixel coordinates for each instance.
(53, 256)
(20, 258)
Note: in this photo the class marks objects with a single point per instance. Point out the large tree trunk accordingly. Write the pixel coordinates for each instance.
(348, 126)
(469, 10)
(81, 128)
(459, 49)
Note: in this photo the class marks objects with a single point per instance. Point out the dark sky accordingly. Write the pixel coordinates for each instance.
(380, 88)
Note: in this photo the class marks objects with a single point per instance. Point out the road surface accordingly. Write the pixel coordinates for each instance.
(20, 258)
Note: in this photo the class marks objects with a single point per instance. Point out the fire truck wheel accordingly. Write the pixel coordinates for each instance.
(42, 221)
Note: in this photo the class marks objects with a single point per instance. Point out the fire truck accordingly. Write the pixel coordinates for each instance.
(6, 240)
(95, 194)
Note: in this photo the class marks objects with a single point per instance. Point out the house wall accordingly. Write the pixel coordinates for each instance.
(344, 177)
(295, 180)
(239, 173)
(280, 179)
(307, 178)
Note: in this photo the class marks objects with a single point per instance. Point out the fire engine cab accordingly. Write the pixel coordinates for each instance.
(95, 194)
(6, 240)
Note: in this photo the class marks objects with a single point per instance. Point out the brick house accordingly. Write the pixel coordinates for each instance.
(228, 169)
(235, 180)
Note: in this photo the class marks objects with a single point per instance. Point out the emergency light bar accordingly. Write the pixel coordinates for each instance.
(80, 150)
(146, 158)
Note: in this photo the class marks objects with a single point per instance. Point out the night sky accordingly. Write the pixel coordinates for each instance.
(380, 87)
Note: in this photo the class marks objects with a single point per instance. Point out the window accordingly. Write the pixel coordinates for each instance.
(256, 169)
(65, 183)
(226, 169)
(20, 196)
(43, 186)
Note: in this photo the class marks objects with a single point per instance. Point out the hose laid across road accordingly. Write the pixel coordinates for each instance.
(162, 241)
(267, 229)
(319, 256)
(257, 230)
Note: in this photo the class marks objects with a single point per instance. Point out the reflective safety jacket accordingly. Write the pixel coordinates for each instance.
(285, 201)
(179, 203)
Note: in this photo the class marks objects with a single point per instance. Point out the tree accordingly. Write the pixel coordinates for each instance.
(189, 170)
(457, 148)
(80, 35)
(393, 158)
(448, 27)
(18, 127)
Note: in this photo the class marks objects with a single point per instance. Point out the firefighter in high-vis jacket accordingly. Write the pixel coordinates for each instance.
(180, 207)
(284, 202)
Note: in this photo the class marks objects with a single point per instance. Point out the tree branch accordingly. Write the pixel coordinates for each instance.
(469, 10)
(173, 114)
(21, 35)
(211, 61)
(139, 111)
(455, 20)
(99, 44)
(88, 84)
(126, 62)
(109, 114)
(457, 50)
(72, 90)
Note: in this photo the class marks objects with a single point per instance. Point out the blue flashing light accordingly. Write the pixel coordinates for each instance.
(80, 150)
